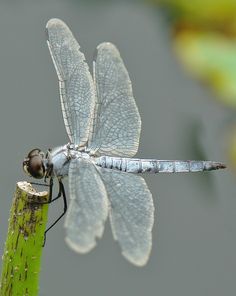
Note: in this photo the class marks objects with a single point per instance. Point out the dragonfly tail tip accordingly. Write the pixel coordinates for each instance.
(218, 165)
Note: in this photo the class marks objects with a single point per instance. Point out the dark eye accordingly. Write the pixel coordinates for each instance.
(33, 164)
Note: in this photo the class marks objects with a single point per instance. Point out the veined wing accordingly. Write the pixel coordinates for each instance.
(131, 214)
(117, 122)
(88, 207)
(76, 87)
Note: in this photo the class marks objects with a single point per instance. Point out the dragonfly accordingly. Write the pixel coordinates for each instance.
(103, 124)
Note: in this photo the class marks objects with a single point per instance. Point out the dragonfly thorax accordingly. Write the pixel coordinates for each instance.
(57, 160)
(71, 151)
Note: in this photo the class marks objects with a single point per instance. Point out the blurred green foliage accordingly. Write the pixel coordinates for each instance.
(205, 41)
(206, 14)
(212, 58)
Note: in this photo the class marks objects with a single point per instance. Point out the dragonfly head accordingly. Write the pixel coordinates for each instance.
(33, 164)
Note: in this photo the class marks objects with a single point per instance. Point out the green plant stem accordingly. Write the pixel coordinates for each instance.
(23, 246)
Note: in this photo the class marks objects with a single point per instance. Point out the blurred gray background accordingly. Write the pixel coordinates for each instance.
(194, 236)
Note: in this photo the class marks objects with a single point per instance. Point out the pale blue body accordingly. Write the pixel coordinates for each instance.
(61, 156)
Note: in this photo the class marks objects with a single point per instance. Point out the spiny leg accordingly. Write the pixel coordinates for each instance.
(39, 184)
(50, 185)
(61, 192)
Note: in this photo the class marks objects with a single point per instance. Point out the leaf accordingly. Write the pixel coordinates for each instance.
(212, 58)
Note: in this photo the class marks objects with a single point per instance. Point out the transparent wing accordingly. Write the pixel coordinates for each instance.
(131, 214)
(88, 207)
(117, 122)
(76, 87)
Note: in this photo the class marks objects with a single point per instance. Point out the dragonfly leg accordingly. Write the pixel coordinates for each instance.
(49, 169)
(61, 192)
(40, 184)
(50, 185)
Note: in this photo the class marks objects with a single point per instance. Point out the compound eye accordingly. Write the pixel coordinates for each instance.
(33, 164)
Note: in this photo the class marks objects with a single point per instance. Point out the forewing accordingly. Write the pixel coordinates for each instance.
(88, 207)
(77, 92)
(131, 214)
(117, 122)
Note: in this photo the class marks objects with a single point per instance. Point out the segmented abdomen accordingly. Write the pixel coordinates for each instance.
(132, 165)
